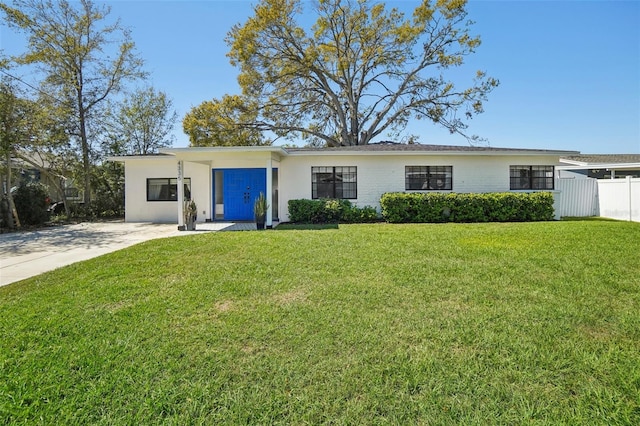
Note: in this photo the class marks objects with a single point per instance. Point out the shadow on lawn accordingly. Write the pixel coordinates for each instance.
(306, 226)
(587, 219)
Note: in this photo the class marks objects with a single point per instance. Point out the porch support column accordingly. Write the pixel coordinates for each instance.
(180, 195)
(269, 221)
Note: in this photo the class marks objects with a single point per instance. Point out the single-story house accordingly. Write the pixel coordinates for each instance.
(600, 166)
(225, 181)
(37, 167)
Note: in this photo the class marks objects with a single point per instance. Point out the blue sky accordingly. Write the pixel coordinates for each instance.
(569, 70)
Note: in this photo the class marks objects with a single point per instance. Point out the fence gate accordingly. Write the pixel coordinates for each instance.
(577, 197)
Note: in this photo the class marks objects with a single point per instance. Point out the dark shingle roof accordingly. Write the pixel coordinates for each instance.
(604, 158)
(398, 147)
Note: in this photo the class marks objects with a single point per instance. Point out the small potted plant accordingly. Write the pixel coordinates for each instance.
(190, 215)
(260, 208)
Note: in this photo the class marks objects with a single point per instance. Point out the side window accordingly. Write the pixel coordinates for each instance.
(531, 177)
(428, 178)
(334, 182)
(166, 189)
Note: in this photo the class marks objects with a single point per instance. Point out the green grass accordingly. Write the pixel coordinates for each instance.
(535, 323)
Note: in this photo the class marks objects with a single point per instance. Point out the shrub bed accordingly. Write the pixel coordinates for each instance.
(329, 211)
(398, 207)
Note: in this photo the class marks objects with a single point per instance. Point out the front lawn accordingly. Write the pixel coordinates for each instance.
(527, 323)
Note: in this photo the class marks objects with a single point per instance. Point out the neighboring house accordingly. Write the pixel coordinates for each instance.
(600, 166)
(225, 181)
(35, 168)
(605, 185)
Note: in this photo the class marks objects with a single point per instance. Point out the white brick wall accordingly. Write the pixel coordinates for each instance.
(378, 174)
(138, 209)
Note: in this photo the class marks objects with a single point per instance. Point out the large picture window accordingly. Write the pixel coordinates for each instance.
(429, 178)
(166, 189)
(531, 177)
(334, 182)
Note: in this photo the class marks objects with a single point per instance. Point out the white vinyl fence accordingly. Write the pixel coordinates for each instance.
(620, 198)
(611, 198)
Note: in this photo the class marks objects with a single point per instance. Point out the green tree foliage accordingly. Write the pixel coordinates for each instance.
(225, 122)
(13, 135)
(31, 204)
(141, 124)
(108, 181)
(362, 69)
(34, 136)
(85, 60)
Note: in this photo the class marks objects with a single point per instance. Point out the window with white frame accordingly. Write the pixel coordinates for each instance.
(166, 189)
(334, 182)
(428, 178)
(531, 177)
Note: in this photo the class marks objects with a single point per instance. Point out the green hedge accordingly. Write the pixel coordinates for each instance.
(329, 211)
(31, 204)
(421, 207)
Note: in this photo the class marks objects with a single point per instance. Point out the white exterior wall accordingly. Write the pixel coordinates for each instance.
(138, 209)
(137, 171)
(570, 174)
(377, 174)
(256, 163)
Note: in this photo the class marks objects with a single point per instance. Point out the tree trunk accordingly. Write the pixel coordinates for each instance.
(14, 220)
(60, 190)
(86, 162)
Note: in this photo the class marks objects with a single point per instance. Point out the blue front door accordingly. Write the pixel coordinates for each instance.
(241, 187)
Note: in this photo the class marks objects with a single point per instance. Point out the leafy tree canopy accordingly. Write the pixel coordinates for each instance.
(224, 122)
(141, 123)
(360, 70)
(84, 60)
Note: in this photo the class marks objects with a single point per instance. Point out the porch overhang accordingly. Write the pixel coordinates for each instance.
(211, 152)
(265, 156)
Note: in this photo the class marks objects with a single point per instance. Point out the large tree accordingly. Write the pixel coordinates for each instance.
(141, 123)
(362, 69)
(49, 148)
(84, 59)
(31, 135)
(13, 123)
(220, 123)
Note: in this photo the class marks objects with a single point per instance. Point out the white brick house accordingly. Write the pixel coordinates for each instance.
(224, 181)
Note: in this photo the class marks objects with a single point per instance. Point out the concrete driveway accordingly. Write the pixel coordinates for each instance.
(26, 254)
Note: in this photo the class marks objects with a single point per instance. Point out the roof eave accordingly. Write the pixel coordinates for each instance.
(213, 149)
(123, 158)
(594, 166)
(433, 153)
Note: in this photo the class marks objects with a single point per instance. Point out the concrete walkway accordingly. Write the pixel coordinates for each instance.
(26, 254)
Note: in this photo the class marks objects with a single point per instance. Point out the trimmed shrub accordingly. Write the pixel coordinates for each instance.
(329, 211)
(353, 214)
(305, 211)
(31, 204)
(418, 207)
